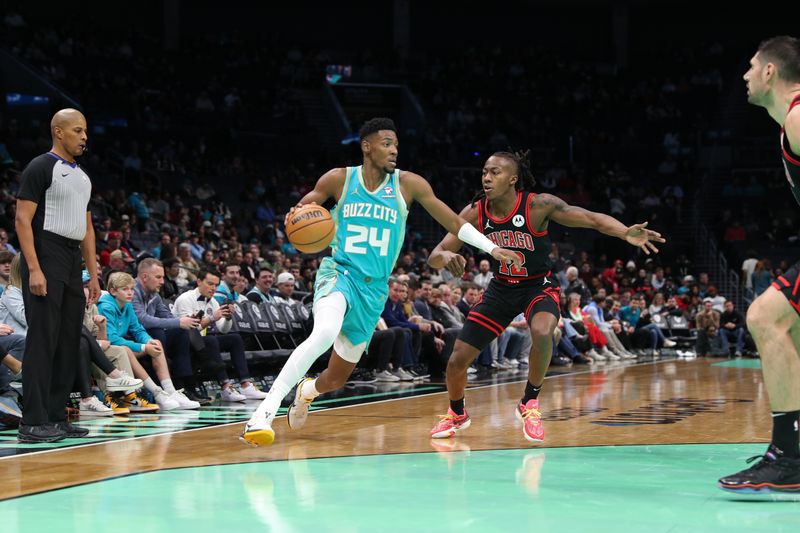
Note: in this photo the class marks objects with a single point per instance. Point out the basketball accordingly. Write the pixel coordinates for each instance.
(310, 228)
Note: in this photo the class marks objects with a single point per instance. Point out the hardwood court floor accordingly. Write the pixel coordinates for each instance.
(666, 402)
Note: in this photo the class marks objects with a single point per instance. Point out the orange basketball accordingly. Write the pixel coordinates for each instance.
(310, 229)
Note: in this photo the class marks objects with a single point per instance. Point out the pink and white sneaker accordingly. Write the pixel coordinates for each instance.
(531, 419)
(450, 424)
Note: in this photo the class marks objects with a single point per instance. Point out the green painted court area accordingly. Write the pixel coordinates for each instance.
(755, 364)
(665, 488)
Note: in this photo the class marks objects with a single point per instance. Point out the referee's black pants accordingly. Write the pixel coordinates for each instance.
(52, 346)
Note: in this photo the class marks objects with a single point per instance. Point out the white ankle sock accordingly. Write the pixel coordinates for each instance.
(167, 385)
(150, 385)
(309, 390)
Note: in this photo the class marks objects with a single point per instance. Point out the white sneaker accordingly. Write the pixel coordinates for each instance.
(183, 401)
(611, 356)
(166, 402)
(512, 363)
(258, 431)
(403, 375)
(252, 392)
(472, 370)
(386, 376)
(95, 407)
(298, 412)
(230, 394)
(124, 383)
(669, 344)
(594, 355)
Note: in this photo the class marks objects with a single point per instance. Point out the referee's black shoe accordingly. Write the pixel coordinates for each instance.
(773, 473)
(73, 432)
(40, 433)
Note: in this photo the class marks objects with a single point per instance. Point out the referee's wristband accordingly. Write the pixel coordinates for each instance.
(468, 234)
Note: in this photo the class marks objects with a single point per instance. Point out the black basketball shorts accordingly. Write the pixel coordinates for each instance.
(502, 302)
(789, 285)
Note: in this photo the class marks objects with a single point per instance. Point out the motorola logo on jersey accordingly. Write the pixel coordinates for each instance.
(518, 221)
(512, 239)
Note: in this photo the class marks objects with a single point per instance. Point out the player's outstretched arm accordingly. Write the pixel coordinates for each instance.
(572, 216)
(329, 185)
(445, 255)
(420, 190)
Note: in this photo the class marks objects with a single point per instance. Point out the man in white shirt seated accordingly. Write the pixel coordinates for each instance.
(215, 325)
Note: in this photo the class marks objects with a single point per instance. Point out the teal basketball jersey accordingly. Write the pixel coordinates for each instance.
(370, 226)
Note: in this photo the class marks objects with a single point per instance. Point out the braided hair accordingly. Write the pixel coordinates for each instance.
(521, 160)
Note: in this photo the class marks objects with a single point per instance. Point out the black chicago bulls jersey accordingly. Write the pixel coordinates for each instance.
(791, 161)
(515, 232)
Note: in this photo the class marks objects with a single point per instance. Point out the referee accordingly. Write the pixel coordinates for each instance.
(54, 227)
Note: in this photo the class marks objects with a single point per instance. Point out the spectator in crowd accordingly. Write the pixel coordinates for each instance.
(421, 301)
(170, 290)
(470, 295)
(12, 305)
(241, 289)
(762, 277)
(717, 300)
(748, 267)
(707, 324)
(285, 288)
(4, 244)
(215, 326)
(189, 267)
(637, 315)
(395, 317)
(171, 332)
(732, 326)
(119, 261)
(577, 316)
(114, 242)
(576, 285)
(121, 323)
(261, 292)
(484, 275)
(226, 291)
(5, 268)
(111, 366)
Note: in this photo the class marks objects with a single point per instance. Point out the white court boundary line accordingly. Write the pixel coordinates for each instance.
(66, 448)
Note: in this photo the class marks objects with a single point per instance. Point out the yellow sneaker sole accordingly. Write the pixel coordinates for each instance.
(262, 437)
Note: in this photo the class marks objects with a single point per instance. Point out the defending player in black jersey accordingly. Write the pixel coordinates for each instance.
(773, 82)
(516, 219)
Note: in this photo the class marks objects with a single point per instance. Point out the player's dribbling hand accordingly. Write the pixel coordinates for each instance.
(293, 209)
(454, 263)
(639, 235)
(509, 256)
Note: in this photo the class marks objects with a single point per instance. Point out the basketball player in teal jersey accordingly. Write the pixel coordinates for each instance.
(773, 82)
(351, 288)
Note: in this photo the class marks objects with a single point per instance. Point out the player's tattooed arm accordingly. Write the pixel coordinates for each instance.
(547, 206)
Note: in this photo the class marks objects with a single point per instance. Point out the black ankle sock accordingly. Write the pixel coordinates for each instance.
(785, 434)
(457, 406)
(531, 392)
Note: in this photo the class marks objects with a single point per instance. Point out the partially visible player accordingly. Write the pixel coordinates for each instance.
(351, 287)
(773, 82)
(516, 218)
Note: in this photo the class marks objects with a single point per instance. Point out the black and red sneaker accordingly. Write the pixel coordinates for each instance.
(773, 473)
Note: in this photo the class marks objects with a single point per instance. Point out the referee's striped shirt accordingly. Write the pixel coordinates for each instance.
(62, 191)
